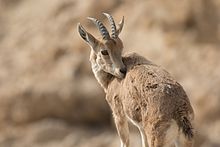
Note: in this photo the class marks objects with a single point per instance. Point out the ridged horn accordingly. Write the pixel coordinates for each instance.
(120, 26)
(101, 27)
(112, 24)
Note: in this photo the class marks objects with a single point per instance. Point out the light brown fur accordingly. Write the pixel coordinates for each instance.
(149, 96)
(141, 92)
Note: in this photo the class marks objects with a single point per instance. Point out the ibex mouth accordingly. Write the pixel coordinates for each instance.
(122, 73)
(123, 76)
(120, 76)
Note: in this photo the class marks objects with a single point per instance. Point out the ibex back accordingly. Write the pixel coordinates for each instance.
(139, 91)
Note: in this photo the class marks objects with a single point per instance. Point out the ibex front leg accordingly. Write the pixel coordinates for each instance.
(123, 130)
(121, 121)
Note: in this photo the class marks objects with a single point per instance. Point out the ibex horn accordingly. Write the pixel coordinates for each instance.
(120, 26)
(101, 27)
(112, 23)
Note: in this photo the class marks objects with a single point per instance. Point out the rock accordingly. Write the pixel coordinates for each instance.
(45, 70)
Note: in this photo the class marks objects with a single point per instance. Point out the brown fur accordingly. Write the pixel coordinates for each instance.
(151, 97)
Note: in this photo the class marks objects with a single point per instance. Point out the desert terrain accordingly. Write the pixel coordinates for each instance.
(48, 94)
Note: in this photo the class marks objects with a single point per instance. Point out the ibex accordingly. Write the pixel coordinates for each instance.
(139, 91)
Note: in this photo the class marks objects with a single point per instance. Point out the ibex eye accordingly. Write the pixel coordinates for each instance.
(104, 52)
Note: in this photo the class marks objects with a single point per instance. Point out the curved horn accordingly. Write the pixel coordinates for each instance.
(101, 27)
(112, 23)
(120, 26)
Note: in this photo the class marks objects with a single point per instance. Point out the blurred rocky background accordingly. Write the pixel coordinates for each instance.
(48, 94)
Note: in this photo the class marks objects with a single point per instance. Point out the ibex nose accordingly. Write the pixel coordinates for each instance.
(123, 70)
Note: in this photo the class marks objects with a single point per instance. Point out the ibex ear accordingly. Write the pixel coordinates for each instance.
(92, 41)
(120, 26)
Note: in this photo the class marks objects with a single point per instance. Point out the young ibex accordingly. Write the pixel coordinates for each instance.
(139, 91)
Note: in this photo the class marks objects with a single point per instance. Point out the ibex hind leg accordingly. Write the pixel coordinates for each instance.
(186, 133)
(183, 141)
(162, 134)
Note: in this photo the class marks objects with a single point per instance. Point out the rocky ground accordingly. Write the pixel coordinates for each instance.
(48, 94)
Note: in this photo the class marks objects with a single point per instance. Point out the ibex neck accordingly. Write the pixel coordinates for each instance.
(103, 77)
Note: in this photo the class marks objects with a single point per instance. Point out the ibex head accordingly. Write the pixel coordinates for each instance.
(108, 50)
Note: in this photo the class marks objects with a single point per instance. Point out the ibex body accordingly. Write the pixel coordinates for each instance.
(139, 91)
